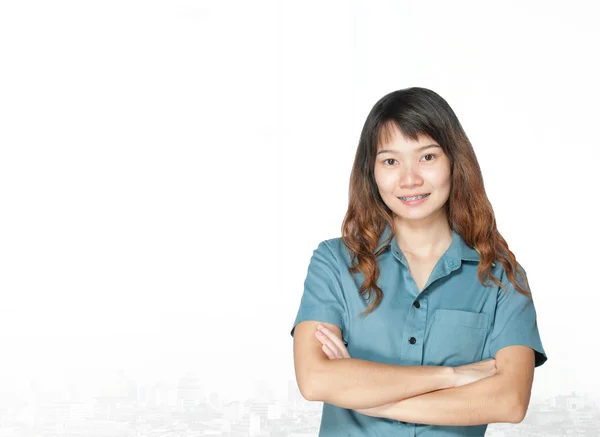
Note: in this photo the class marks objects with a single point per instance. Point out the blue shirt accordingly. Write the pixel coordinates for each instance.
(454, 320)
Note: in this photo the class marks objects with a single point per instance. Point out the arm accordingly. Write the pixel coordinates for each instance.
(503, 397)
(355, 383)
(515, 343)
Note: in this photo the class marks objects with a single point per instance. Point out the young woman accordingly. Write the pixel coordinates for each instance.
(418, 320)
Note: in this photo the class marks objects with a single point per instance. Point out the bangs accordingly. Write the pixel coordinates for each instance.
(410, 130)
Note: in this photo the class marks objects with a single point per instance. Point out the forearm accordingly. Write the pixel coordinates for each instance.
(354, 383)
(488, 400)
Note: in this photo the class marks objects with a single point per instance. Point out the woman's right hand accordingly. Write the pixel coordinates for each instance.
(473, 372)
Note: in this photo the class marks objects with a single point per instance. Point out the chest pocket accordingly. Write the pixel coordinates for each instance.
(455, 338)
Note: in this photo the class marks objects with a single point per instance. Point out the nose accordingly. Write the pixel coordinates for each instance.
(410, 177)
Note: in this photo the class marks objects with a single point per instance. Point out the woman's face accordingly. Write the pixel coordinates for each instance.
(409, 168)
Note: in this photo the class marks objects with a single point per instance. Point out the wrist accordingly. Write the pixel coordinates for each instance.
(449, 377)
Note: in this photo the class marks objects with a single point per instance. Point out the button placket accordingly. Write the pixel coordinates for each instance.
(414, 326)
(416, 304)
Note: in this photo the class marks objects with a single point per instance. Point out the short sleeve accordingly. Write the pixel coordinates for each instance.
(322, 299)
(515, 323)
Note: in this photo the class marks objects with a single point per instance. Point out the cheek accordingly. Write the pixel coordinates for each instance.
(384, 183)
(378, 179)
(447, 180)
(441, 178)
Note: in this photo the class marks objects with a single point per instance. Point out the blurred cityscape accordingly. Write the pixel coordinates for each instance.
(130, 409)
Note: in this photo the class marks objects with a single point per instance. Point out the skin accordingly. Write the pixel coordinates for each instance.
(402, 169)
(405, 167)
(494, 390)
(334, 349)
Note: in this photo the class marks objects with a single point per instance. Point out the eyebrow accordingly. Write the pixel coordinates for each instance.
(420, 149)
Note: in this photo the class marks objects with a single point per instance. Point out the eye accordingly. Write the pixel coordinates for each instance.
(430, 154)
(389, 159)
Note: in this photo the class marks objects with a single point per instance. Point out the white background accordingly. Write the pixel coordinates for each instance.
(168, 167)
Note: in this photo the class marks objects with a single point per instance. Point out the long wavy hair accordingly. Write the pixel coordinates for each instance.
(415, 112)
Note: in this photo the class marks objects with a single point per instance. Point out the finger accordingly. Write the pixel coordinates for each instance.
(333, 348)
(326, 341)
(328, 352)
(332, 353)
(338, 343)
(336, 351)
(331, 345)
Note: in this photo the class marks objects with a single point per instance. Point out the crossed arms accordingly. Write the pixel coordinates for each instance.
(416, 394)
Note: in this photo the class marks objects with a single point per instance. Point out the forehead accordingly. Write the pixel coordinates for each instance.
(392, 135)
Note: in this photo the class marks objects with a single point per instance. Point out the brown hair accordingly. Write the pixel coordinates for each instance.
(419, 111)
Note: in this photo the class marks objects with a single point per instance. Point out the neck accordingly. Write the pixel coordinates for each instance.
(423, 239)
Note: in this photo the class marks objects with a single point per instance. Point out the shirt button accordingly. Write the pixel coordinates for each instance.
(412, 340)
(417, 304)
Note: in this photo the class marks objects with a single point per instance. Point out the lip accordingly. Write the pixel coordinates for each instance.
(413, 195)
(414, 203)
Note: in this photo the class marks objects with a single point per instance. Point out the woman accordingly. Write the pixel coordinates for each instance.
(419, 319)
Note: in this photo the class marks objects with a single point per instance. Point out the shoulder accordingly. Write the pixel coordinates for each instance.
(336, 249)
(508, 289)
(502, 275)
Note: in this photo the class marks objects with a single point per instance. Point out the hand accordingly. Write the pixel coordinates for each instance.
(374, 411)
(473, 372)
(334, 349)
(332, 346)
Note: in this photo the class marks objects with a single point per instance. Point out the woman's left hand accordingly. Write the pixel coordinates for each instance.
(334, 349)
(332, 346)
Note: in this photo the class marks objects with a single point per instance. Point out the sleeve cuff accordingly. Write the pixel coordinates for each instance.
(540, 354)
(326, 315)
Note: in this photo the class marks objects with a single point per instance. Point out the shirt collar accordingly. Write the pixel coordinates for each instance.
(458, 251)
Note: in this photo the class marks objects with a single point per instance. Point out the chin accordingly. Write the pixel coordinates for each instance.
(412, 217)
(412, 213)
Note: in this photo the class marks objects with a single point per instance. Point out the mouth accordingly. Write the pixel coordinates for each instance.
(413, 198)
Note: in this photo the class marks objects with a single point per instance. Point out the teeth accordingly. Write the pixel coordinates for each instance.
(414, 198)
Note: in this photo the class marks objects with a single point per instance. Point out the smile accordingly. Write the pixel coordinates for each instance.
(414, 198)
